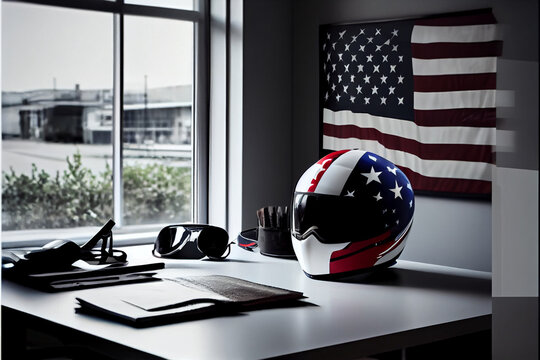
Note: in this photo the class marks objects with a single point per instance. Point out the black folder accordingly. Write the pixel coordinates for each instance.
(78, 278)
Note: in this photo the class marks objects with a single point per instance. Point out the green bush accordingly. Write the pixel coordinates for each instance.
(78, 197)
(156, 193)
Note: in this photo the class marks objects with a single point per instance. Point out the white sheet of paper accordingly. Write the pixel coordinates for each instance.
(156, 295)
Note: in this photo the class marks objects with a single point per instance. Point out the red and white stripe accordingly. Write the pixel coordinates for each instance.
(322, 178)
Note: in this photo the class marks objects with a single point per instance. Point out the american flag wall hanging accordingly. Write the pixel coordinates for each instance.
(420, 93)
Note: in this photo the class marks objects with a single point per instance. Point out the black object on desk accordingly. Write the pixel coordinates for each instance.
(59, 255)
(52, 267)
(78, 279)
(272, 236)
(75, 278)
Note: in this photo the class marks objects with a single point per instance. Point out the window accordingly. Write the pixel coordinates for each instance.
(100, 116)
(174, 4)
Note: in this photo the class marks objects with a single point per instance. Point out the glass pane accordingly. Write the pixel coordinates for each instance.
(56, 106)
(173, 4)
(158, 78)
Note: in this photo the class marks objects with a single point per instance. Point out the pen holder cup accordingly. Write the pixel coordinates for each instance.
(275, 242)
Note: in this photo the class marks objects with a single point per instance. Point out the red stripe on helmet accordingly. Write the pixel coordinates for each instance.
(358, 246)
(361, 259)
(325, 164)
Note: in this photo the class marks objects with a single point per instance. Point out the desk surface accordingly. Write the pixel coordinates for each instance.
(407, 304)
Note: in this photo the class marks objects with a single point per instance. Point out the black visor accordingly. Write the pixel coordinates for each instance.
(334, 219)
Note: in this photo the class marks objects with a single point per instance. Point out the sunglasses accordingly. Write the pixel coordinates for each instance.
(192, 241)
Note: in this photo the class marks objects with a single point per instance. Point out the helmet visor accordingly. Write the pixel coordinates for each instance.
(334, 219)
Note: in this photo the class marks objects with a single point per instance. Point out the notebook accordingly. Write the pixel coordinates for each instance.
(182, 299)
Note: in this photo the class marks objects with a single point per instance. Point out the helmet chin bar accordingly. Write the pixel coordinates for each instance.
(314, 256)
(311, 231)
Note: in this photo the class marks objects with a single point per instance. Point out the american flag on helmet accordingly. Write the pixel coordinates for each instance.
(377, 202)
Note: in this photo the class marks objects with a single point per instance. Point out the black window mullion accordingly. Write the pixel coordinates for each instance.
(119, 7)
(118, 116)
(178, 14)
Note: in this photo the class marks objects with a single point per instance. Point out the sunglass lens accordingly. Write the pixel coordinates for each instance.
(171, 238)
(213, 242)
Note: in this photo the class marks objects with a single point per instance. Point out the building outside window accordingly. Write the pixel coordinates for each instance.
(99, 114)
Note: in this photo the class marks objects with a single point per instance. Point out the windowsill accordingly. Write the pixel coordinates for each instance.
(125, 236)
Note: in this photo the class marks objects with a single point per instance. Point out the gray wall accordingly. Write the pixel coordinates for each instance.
(515, 190)
(446, 232)
(267, 104)
(280, 105)
(281, 118)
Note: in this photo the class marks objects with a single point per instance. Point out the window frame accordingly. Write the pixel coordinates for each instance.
(137, 234)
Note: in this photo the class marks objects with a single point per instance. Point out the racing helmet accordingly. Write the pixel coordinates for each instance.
(351, 212)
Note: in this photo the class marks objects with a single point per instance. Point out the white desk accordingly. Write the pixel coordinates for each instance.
(408, 304)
